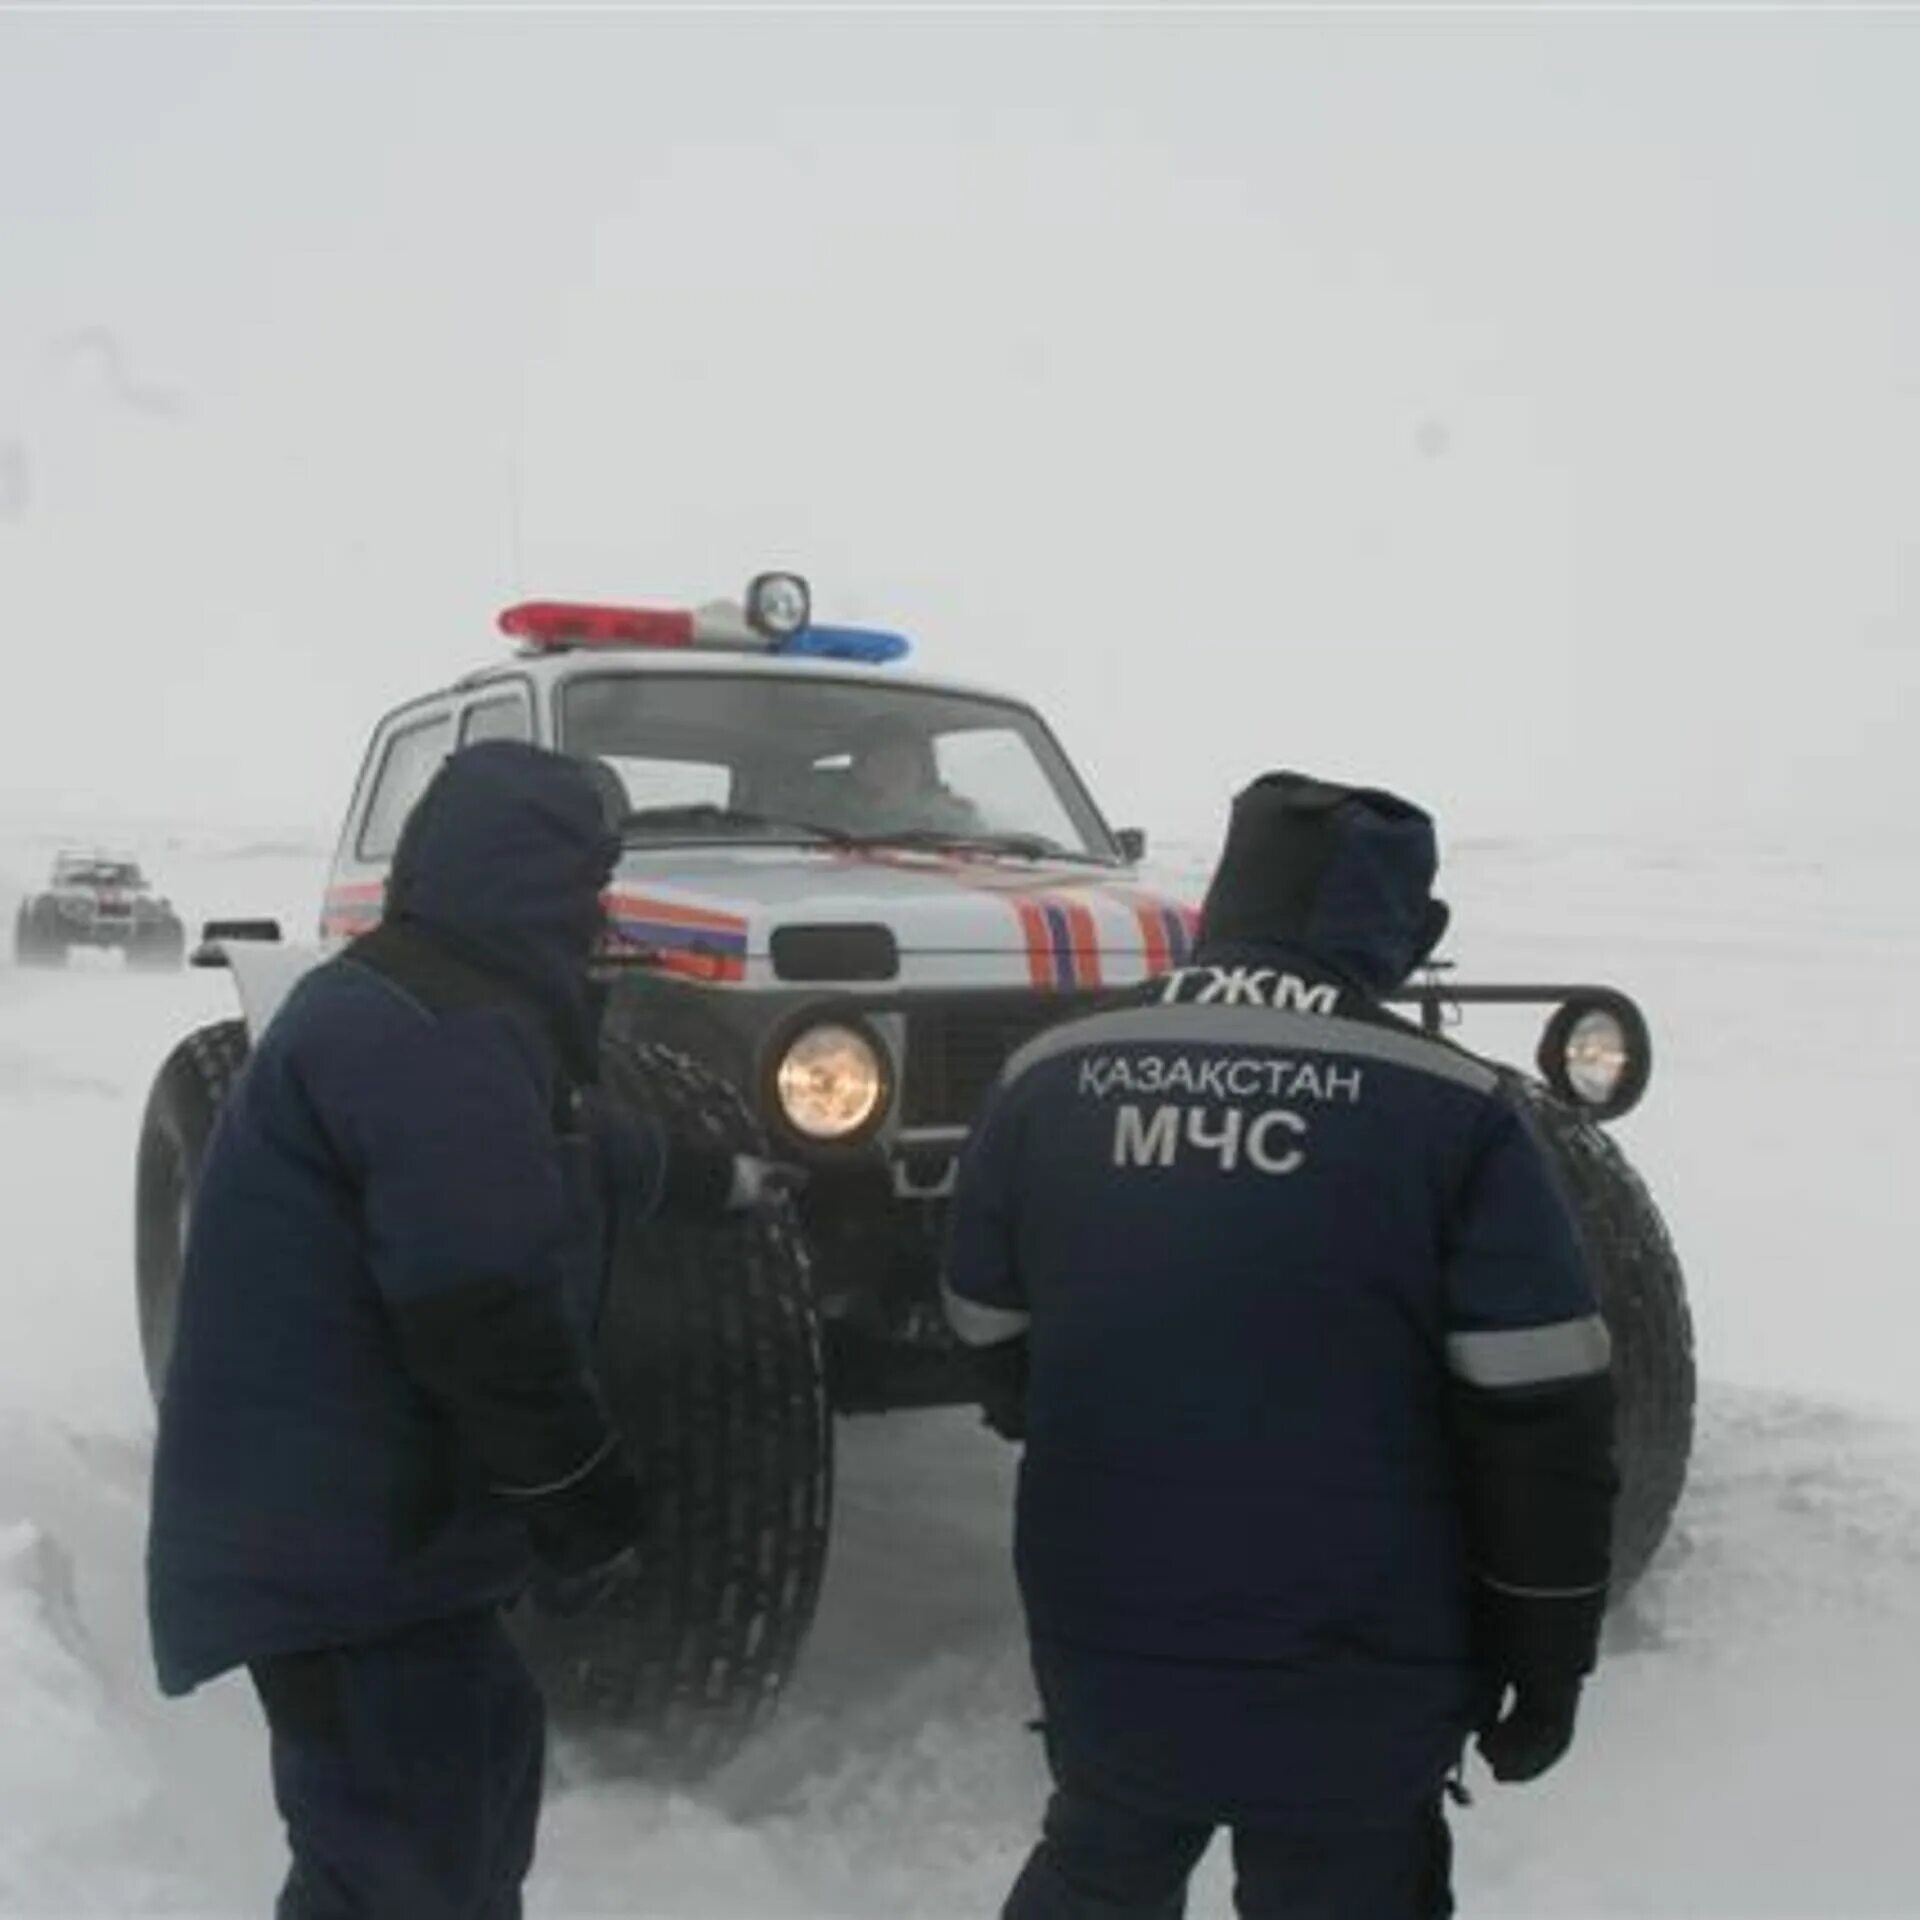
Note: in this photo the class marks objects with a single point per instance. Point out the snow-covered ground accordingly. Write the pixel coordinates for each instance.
(1748, 1747)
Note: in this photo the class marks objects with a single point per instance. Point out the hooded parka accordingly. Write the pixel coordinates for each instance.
(1315, 1395)
(378, 1406)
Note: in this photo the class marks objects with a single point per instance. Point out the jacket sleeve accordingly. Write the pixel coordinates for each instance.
(449, 1136)
(986, 1300)
(1531, 1396)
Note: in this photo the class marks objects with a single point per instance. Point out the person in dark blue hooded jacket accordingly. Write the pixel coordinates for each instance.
(378, 1425)
(1287, 1304)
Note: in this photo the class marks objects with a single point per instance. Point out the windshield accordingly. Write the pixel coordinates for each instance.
(755, 757)
(98, 873)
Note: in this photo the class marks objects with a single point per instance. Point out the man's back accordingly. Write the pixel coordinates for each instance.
(1245, 1233)
(1286, 1303)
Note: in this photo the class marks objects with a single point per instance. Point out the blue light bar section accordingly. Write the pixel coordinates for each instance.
(867, 644)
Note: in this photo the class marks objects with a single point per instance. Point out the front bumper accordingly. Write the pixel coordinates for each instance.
(876, 1210)
(97, 929)
(877, 1263)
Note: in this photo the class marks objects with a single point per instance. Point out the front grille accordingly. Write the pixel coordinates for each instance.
(956, 1049)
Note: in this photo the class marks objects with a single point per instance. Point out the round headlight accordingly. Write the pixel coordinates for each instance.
(778, 604)
(1598, 1055)
(831, 1082)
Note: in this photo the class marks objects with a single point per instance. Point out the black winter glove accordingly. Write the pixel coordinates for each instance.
(1533, 1732)
(763, 1186)
(1000, 1379)
(579, 1528)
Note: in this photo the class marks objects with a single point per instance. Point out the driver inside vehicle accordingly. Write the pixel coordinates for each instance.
(894, 785)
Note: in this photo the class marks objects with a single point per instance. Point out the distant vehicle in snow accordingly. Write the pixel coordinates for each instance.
(848, 893)
(97, 899)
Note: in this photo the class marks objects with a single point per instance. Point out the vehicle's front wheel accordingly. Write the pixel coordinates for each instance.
(193, 1081)
(159, 946)
(710, 1358)
(1643, 1297)
(37, 939)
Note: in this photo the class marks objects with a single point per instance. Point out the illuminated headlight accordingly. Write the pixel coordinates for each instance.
(1598, 1056)
(778, 604)
(831, 1082)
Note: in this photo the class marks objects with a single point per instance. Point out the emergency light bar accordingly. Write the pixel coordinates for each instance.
(553, 626)
(776, 618)
(870, 644)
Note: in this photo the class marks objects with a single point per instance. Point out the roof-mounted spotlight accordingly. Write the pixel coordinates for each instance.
(778, 605)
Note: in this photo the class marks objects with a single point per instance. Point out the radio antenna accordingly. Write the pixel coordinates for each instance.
(516, 519)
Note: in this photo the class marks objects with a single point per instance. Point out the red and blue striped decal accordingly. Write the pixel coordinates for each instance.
(1167, 929)
(1063, 938)
(1063, 941)
(694, 942)
(1061, 934)
(690, 941)
(1058, 925)
(351, 909)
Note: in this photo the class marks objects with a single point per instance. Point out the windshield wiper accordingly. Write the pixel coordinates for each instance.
(1019, 846)
(704, 814)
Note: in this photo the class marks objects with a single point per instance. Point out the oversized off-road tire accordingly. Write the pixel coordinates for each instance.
(158, 946)
(709, 1353)
(193, 1081)
(37, 938)
(1643, 1297)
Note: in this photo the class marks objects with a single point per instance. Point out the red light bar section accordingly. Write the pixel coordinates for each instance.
(554, 625)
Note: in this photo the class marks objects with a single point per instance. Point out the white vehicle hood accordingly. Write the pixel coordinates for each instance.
(958, 919)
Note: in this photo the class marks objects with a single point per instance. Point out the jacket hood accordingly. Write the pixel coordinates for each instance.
(1342, 875)
(503, 860)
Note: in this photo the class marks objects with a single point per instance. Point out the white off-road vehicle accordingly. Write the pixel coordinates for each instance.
(848, 893)
(97, 900)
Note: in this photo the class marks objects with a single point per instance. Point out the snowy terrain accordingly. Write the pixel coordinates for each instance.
(1749, 1745)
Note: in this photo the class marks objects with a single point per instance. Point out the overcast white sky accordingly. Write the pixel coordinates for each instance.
(1525, 412)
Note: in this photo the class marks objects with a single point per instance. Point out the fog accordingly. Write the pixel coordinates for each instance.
(1523, 410)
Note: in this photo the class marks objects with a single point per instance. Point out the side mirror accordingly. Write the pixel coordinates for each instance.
(1132, 842)
(215, 930)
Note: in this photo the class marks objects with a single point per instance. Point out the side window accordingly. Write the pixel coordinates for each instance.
(504, 716)
(412, 757)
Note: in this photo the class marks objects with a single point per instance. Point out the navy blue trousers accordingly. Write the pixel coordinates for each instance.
(408, 1773)
(1100, 1860)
